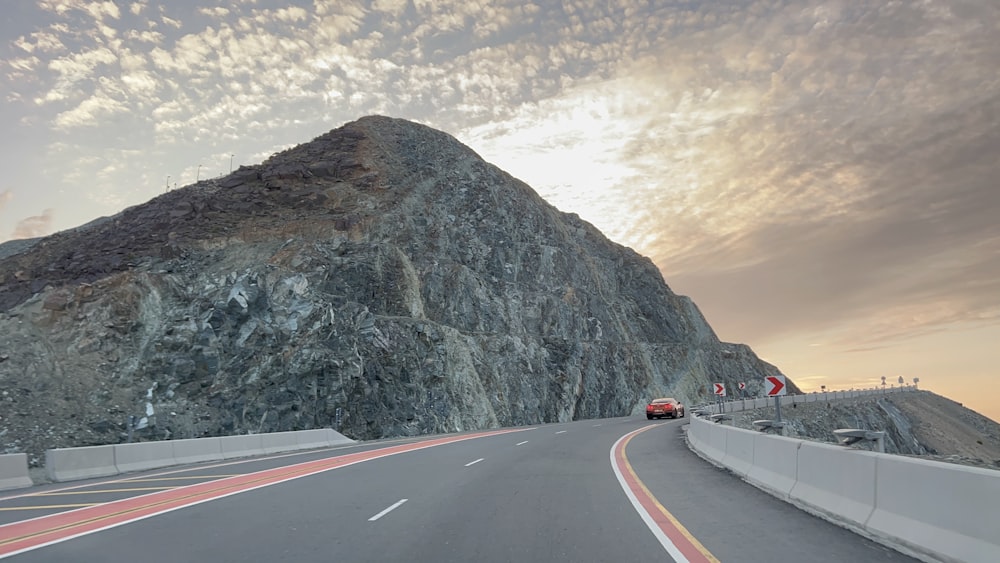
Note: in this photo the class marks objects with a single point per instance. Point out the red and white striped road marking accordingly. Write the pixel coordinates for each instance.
(19, 537)
(675, 539)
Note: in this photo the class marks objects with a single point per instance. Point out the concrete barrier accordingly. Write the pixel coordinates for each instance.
(697, 433)
(277, 442)
(715, 440)
(836, 481)
(140, 456)
(739, 450)
(932, 510)
(14, 472)
(69, 464)
(312, 439)
(241, 446)
(948, 511)
(196, 450)
(775, 460)
(338, 439)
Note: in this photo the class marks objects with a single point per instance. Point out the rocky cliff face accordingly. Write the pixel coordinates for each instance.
(382, 279)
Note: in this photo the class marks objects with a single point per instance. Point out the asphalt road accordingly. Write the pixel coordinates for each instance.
(547, 493)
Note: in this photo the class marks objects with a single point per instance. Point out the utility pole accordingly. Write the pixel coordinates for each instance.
(231, 163)
(197, 176)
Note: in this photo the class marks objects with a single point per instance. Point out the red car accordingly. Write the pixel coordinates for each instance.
(660, 408)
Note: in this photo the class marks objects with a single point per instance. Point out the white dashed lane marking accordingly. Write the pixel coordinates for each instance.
(387, 510)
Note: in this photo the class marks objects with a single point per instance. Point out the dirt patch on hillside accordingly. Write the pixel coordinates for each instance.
(950, 429)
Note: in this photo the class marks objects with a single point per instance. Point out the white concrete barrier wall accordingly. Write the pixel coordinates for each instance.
(14, 471)
(715, 440)
(140, 456)
(936, 511)
(948, 510)
(694, 431)
(837, 481)
(277, 442)
(739, 450)
(774, 464)
(241, 446)
(312, 439)
(69, 464)
(196, 450)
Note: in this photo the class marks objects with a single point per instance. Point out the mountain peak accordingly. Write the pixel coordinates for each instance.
(381, 277)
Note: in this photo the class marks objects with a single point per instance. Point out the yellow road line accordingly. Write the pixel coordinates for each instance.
(150, 479)
(48, 506)
(673, 520)
(98, 491)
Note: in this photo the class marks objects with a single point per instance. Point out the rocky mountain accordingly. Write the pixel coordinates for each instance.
(381, 279)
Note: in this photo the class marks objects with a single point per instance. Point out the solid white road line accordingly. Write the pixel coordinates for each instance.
(661, 536)
(387, 510)
(596, 425)
(475, 462)
(561, 432)
(521, 443)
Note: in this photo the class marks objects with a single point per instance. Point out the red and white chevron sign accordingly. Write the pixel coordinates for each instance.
(742, 386)
(774, 385)
(720, 389)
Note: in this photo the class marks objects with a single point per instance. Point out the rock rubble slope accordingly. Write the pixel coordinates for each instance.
(381, 279)
(916, 423)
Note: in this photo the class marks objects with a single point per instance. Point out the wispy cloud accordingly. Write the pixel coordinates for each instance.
(36, 226)
(792, 165)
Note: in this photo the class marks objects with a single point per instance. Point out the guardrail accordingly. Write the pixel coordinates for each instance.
(931, 510)
(69, 464)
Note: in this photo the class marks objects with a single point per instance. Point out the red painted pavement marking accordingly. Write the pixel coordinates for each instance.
(18, 537)
(681, 539)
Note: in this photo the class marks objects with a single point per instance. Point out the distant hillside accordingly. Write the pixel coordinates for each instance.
(918, 423)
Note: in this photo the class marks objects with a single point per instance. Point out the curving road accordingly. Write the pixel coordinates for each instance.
(550, 493)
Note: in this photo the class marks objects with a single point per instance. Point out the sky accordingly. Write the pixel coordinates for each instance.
(821, 177)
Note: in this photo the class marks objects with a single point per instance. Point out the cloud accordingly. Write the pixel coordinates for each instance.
(216, 12)
(36, 226)
(785, 184)
(792, 166)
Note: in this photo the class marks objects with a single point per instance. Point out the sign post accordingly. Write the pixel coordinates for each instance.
(775, 387)
(720, 391)
(743, 394)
